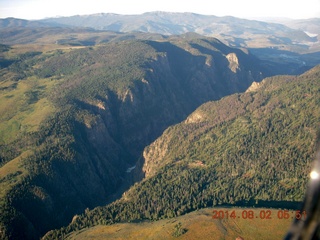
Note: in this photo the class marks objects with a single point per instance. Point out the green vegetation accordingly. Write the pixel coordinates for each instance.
(178, 230)
(112, 67)
(40, 124)
(72, 121)
(199, 224)
(247, 149)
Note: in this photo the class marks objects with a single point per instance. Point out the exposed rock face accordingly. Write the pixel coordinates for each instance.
(172, 88)
(195, 117)
(254, 86)
(156, 151)
(175, 83)
(233, 62)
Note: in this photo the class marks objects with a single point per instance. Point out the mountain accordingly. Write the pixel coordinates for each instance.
(233, 31)
(75, 120)
(273, 60)
(66, 36)
(263, 112)
(311, 26)
(16, 22)
(165, 23)
(254, 148)
(282, 49)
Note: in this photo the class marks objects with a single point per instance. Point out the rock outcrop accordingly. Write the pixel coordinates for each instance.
(110, 132)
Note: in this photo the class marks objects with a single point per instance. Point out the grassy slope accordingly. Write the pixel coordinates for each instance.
(23, 107)
(19, 110)
(24, 102)
(199, 225)
(12, 173)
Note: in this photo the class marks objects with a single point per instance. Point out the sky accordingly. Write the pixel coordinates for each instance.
(39, 9)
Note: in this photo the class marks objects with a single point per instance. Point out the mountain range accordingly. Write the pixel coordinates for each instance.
(233, 31)
(249, 149)
(150, 125)
(97, 108)
(290, 46)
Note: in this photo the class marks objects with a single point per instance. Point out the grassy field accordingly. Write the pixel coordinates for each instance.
(12, 173)
(23, 105)
(198, 225)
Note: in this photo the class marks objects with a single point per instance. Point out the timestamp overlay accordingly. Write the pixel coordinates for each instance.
(259, 214)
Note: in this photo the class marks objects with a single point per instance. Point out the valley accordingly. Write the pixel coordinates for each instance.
(233, 151)
(105, 103)
(99, 128)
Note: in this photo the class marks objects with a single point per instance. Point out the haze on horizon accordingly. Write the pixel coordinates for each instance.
(39, 9)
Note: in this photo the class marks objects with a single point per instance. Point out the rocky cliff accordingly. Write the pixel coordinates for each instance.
(113, 100)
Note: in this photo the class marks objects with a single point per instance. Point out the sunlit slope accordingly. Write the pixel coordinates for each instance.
(24, 105)
(254, 148)
(196, 225)
(75, 119)
(256, 145)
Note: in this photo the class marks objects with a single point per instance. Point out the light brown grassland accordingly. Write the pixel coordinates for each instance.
(199, 225)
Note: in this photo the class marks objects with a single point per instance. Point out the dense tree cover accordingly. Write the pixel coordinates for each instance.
(4, 48)
(45, 150)
(244, 149)
(110, 101)
(92, 71)
(99, 107)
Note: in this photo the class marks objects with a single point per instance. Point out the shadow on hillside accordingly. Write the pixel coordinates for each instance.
(282, 62)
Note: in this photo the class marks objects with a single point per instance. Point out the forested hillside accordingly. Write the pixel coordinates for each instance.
(254, 148)
(74, 120)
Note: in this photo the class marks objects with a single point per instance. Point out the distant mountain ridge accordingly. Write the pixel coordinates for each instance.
(236, 32)
(16, 22)
(311, 25)
(180, 22)
(170, 23)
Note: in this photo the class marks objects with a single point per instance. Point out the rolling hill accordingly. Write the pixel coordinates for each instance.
(196, 225)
